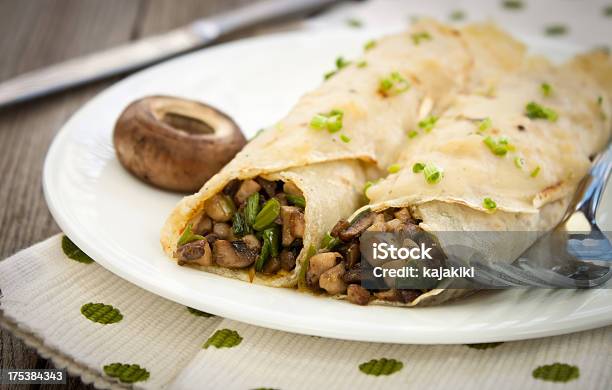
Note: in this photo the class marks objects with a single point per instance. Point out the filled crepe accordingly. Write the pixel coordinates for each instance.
(505, 161)
(269, 208)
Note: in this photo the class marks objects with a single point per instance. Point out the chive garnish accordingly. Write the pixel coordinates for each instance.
(428, 123)
(534, 110)
(499, 147)
(489, 204)
(535, 172)
(418, 167)
(369, 45)
(419, 37)
(345, 138)
(412, 133)
(546, 89)
(485, 124)
(394, 84)
(519, 162)
(394, 168)
(432, 173)
(331, 121)
(188, 237)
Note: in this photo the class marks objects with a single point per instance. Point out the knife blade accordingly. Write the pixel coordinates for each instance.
(138, 54)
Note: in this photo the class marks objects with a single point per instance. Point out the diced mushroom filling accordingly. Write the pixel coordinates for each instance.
(336, 269)
(252, 223)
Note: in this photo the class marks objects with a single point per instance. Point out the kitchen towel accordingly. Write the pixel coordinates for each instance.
(115, 334)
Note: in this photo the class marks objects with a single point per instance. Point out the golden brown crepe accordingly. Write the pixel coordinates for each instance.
(531, 183)
(436, 61)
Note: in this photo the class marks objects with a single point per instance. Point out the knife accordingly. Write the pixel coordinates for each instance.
(146, 51)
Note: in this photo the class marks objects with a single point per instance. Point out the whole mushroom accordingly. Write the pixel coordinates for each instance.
(174, 143)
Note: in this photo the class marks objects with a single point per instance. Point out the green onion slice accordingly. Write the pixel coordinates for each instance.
(394, 168)
(418, 167)
(534, 110)
(296, 200)
(489, 204)
(432, 173)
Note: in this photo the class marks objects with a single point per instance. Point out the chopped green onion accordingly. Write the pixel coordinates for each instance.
(535, 172)
(485, 124)
(369, 45)
(329, 74)
(433, 174)
(251, 209)
(318, 122)
(489, 204)
(188, 237)
(342, 63)
(457, 15)
(535, 111)
(395, 168)
(412, 133)
(332, 121)
(428, 123)
(329, 242)
(394, 84)
(296, 200)
(546, 89)
(362, 64)
(345, 138)
(418, 167)
(519, 162)
(269, 212)
(499, 147)
(355, 23)
(417, 38)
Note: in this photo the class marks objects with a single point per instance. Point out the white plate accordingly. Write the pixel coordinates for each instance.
(116, 219)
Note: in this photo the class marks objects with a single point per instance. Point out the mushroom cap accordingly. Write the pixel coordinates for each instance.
(175, 143)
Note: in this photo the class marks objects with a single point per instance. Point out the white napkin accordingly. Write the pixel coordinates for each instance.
(44, 292)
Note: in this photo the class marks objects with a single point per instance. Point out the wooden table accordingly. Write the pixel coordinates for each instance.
(35, 33)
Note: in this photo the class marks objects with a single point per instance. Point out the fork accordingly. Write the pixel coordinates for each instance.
(571, 259)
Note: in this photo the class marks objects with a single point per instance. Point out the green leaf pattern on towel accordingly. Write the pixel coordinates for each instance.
(199, 313)
(73, 252)
(126, 373)
(382, 366)
(557, 372)
(101, 313)
(223, 338)
(484, 345)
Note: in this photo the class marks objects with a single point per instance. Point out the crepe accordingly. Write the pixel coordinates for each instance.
(434, 63)
(530, 177)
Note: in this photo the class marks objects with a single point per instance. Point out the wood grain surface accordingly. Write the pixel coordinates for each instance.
(35, 33)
